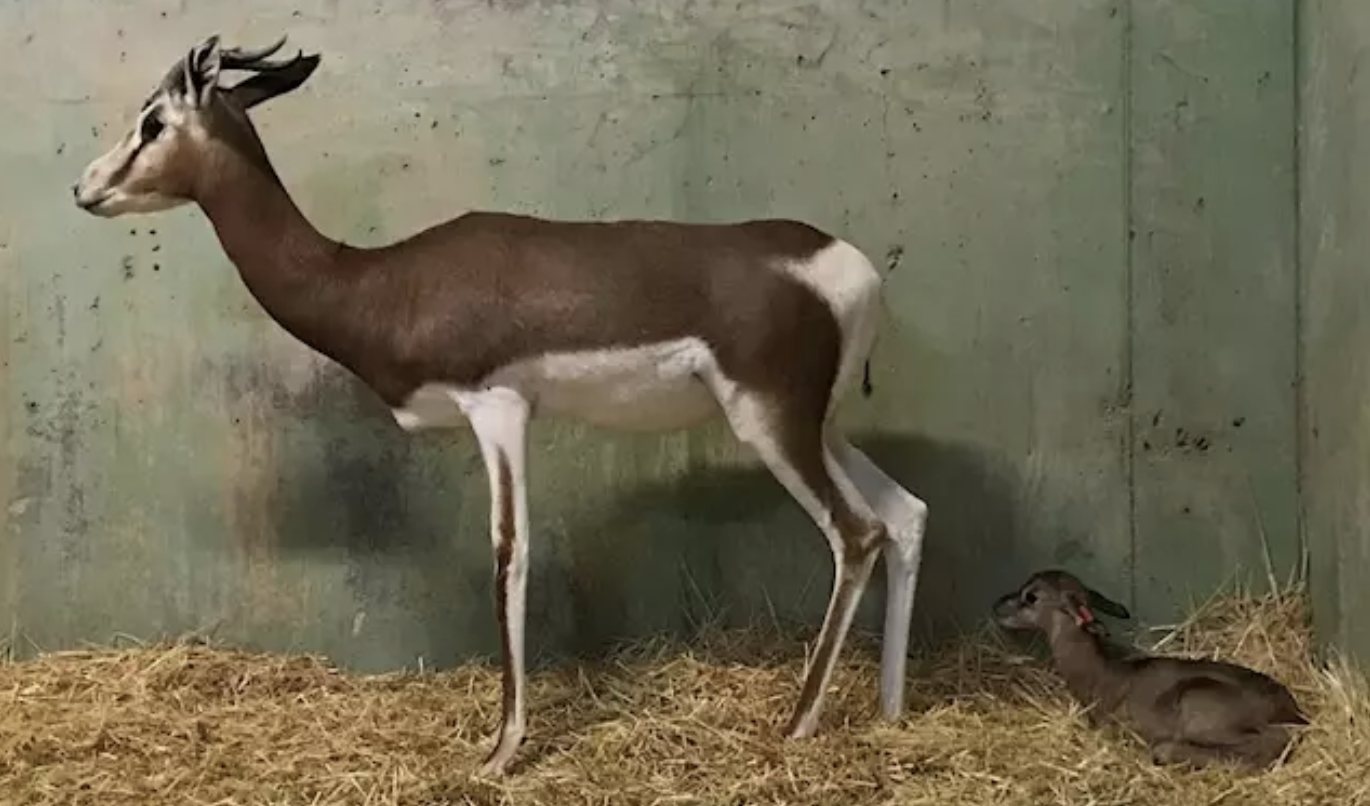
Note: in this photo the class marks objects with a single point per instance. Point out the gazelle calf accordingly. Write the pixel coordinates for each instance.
(490, 318)
(1187, 711)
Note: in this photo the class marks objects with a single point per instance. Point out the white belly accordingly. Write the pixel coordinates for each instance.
(652, 388)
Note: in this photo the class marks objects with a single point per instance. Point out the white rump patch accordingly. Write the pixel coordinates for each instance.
(842, 276)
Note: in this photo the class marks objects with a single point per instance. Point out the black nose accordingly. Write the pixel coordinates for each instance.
(75, 190)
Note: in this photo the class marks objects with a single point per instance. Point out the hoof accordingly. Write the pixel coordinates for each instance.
(496, 764)
(492, 768)
(801, 729)
(1166, 754)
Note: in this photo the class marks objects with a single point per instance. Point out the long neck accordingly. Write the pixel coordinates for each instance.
(1090, 675)
(287, 264)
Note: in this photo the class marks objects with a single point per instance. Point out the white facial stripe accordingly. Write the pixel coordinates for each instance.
(120, 158)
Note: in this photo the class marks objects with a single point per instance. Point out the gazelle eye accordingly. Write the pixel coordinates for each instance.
(152, 126)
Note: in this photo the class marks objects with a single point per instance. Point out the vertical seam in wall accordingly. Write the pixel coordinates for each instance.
(1300, 392)
(1129, 392)
(9, 543)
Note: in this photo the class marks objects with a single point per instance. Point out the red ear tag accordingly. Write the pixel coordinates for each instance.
(1083, 616)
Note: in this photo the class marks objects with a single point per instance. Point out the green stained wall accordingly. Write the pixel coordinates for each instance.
(1335, 251)
(1089, 355)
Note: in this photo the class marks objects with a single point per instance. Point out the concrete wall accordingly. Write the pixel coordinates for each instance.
(1335, 247)
(1088, 358)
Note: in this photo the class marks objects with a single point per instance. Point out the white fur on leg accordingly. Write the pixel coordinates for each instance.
(499, 418)
(905, 516)
(753, 422)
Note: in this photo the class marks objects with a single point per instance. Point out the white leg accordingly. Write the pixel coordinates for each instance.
(791, 445)
(500, 419)
(905, 517)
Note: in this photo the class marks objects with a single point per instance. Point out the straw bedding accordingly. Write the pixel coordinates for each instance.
(657, 724)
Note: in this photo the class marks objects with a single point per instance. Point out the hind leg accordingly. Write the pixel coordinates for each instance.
(789, 440)
(1217, 721)
(1181, 752)
(1258, 748)
(905, 517)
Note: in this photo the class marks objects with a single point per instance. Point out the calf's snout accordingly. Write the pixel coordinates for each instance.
(1008, 612)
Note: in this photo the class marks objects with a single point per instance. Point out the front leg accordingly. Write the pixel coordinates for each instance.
(500, 419)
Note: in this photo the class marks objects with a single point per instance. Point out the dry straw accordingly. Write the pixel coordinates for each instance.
(658, 724)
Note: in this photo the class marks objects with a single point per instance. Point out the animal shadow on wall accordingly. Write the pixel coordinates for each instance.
(739, 551)
(343, 477)
(712, 545)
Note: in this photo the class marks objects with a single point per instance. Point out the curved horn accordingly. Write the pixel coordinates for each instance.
(265, 66)
(238, 58)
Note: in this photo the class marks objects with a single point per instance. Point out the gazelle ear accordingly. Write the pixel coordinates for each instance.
(1106, 605)
(202, 66)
